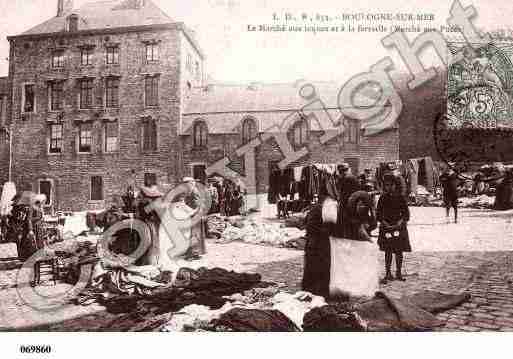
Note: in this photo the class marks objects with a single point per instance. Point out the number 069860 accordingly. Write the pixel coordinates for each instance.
(39, 349)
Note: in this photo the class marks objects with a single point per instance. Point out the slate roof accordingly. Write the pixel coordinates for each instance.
(223, 107)
(106, 14)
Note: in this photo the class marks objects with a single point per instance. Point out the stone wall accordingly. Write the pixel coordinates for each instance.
(71, 171)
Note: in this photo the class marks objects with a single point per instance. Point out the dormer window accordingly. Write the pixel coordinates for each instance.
(73, 22)
(300, 133)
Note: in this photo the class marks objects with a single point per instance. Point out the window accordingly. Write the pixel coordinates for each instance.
(29, 98)
(151, 91)
(150, 135)
(85, 138)
(150, 179)
(86, 93)
(352, 130)
(111, 136)
(86, 56)
(152, 52)
(55, 138)
(96, 188)
(200, 134)
(113, 55)
(112, 92)
(56, 96)
(199, 172)
(45, 187)
(249, 131)
(300, 133)
(58, 59)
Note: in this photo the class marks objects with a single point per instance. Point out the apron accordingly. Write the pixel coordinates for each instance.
(354, 264)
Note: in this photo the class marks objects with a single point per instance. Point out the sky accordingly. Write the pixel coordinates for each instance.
(235, 54)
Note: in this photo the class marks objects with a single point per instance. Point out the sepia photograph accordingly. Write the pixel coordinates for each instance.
(255, 166)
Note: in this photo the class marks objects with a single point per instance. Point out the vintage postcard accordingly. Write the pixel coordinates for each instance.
(255, 166)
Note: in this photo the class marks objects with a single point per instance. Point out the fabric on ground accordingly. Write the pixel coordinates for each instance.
(383, 313)
(295, 306)
(333, 318)
(257, 232)
(254, 320)
(121, 289)
(435, 302)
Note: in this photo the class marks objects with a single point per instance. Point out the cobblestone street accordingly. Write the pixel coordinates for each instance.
(450, 258)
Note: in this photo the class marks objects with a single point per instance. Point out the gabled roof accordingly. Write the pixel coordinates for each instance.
(223, 107)
(106, 15)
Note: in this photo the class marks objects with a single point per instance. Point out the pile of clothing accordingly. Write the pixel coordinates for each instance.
(480, 202)
(258, 232)
(304, 182)
(303, 311)
(256, 310)
(126, 288)
(216, 225)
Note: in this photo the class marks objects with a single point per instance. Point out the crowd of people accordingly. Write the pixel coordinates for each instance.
(352, 216)
(24, 224)
(228, 197)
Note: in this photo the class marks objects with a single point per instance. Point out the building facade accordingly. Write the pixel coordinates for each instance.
(96, 101)
(112, 94)
(243, 131)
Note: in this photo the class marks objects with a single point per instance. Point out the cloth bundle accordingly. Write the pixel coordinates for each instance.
(354, 268)
(262, 233)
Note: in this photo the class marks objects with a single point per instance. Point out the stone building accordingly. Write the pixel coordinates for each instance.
(96, 100)
(4, 130)
(237, 130)
(111, 94)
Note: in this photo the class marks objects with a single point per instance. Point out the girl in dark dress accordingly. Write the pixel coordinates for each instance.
(393, 215)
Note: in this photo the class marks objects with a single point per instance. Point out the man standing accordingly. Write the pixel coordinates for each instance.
(449, 181)
(214, 207)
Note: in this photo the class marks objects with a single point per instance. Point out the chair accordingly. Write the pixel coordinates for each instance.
(46, 267)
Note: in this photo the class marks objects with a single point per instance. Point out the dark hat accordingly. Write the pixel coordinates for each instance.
(151, 192)
(391, 166)
(343, 166)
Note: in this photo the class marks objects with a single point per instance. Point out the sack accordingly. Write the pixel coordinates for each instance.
(354, 268)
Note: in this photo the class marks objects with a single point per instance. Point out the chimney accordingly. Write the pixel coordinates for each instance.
(60, 8)
(63, 8)
(68, 6)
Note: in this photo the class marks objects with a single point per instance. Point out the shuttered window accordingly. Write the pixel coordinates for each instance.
(149, 135)
(96, 188)
(111, 136)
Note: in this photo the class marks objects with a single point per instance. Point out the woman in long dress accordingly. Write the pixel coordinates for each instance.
(330, 219)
